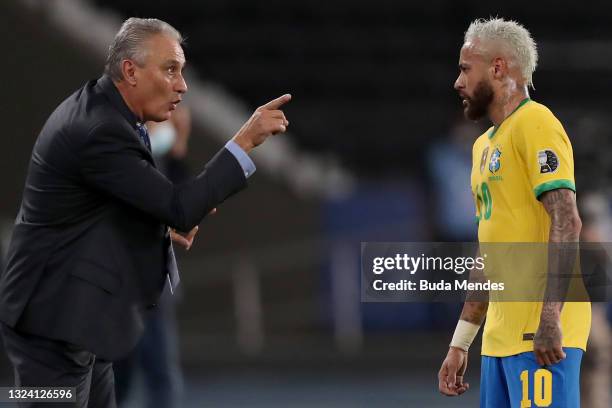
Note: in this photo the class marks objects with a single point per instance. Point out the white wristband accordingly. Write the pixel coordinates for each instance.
(464, 335)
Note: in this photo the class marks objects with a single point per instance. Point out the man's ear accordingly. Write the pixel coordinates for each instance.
(128, 69)
(499, 67)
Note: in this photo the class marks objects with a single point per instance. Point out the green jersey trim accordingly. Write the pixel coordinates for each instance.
(494, 130)
(553, 185)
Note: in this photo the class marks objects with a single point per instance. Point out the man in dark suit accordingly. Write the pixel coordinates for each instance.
(91, 248)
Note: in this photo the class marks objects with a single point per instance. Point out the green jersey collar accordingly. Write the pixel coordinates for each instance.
(494, 130)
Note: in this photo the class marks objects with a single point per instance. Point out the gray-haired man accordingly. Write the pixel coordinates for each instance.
(91, 248)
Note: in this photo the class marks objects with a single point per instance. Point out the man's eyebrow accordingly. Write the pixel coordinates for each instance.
(175, 62)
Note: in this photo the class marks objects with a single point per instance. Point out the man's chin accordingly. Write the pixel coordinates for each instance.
(471, 114)
(162, 117)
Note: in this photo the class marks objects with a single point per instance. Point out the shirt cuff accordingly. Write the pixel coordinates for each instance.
(248, 167)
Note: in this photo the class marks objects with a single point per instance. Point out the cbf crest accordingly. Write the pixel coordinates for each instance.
(495, 162)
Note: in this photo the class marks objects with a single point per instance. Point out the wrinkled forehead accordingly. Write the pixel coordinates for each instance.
(163, 47)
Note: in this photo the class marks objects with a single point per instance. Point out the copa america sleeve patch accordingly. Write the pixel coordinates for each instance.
(548, 161)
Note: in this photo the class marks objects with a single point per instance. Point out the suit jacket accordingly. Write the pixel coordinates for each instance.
(89, 248)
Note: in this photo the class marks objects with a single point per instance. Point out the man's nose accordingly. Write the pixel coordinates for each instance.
(458, 83)
(181, 85)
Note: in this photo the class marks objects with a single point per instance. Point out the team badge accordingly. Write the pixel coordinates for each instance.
(483, 159)
(548, 161)
(495, 163)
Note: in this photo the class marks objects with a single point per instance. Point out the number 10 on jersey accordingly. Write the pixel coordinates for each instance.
(485, 202)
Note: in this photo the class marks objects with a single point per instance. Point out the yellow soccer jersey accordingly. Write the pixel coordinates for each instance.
(528, 154)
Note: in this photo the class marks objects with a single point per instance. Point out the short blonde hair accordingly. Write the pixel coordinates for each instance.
(514, 37)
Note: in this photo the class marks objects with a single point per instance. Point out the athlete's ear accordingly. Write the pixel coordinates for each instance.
(499, 67)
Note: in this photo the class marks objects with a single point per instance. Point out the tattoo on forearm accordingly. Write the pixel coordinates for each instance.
(565, 222)
(476, 302)
(474, 312)
(565, 228)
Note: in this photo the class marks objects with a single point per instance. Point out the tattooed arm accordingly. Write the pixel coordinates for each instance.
(474, 312)
(565, 228)
(476, 302)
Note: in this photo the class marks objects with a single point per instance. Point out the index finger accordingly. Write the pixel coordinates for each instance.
(277, 103)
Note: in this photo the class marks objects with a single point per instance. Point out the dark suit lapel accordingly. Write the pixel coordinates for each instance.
(112, 93)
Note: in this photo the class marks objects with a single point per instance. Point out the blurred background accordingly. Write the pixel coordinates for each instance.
(269, 313)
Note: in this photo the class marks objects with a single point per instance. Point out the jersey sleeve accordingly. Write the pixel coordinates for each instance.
(546, 151)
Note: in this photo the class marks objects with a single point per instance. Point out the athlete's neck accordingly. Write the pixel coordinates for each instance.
(506, 105)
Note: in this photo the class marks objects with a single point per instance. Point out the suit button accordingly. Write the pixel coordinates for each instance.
(151, 306)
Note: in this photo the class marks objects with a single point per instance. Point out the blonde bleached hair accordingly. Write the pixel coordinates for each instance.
(514, 39)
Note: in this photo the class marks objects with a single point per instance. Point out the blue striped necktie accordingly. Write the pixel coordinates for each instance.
(171, 266)
(144, 135)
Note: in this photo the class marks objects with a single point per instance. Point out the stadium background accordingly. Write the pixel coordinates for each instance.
(377, 150)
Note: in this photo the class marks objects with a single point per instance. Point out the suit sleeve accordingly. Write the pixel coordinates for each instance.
(113, 161)
(546, 151)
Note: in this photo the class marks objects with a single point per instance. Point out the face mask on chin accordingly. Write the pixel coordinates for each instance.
(162, 139)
